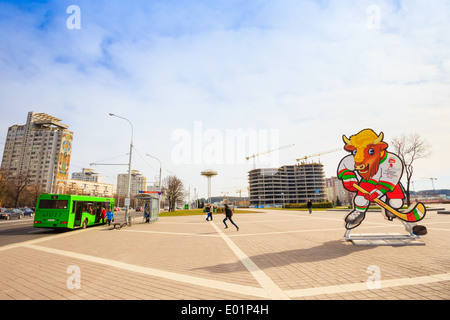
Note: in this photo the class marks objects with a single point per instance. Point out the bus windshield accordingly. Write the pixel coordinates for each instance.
(53, 204)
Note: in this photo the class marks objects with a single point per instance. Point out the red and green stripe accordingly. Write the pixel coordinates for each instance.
(385, 186)
(346, 174)
(417, 214)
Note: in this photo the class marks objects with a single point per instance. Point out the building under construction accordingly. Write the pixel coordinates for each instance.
(287, 184)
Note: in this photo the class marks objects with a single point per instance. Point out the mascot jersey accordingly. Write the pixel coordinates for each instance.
(386, 179)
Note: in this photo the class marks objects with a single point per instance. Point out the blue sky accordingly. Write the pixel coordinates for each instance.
(294, 72)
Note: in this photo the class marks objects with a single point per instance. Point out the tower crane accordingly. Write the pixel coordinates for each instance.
(432, 181)
(265, 152)
(318, 154)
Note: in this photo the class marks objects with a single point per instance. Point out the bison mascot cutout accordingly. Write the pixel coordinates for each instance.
(374, 175)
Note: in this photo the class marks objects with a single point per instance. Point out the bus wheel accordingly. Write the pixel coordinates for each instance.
(84, 226)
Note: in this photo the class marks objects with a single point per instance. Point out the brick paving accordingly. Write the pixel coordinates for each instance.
(280, 255)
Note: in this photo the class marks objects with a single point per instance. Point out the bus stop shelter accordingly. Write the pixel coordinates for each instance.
(151, 206)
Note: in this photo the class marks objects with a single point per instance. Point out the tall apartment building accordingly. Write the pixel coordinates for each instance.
(39, 150)
(138, 183)
(87, 174)
(287, 184)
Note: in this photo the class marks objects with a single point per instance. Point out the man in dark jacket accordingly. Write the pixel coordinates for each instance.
(309, 204)
(228, 215)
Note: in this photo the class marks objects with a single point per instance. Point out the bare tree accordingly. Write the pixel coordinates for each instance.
(16, 185)
(410, 147)
(174, 191)
(3, 190)
(32, 194)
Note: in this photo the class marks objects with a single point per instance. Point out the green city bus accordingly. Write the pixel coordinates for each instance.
(70, 211)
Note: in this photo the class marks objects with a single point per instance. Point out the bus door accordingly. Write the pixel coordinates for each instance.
(98, 211)
(78, 211)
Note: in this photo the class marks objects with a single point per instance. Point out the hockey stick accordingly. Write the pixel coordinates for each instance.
(416, 214)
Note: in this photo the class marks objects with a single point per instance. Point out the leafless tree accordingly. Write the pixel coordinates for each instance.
(31, 195)
(410, 147)
(174, 191)
(3, 189)
(16, 185)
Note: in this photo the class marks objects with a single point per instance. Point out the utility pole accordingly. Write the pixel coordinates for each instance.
(127, 198)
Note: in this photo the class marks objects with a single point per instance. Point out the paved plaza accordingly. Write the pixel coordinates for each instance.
(276, 255)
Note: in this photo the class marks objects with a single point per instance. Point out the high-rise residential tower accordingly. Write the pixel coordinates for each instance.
(40, 151)
(137, 183)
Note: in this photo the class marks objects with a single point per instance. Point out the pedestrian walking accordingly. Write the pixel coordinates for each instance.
(209, 212)
(109, 217)
(103, 215)
(309, 204)
(228, 215)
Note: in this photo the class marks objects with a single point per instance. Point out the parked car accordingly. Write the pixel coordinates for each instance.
(11, 213)
(139, 209)
(27, 211)
(116, 209)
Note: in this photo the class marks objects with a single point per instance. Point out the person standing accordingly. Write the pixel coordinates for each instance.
(228, 215)
(309, 204)
(103, 215)
(208, 211)
(147, 213)
(109, 217)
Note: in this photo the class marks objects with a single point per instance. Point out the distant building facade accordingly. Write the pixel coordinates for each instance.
(87, 174)
(38, 151)
(138, 183)
(335, 190)
(90, 188)
(287, 184)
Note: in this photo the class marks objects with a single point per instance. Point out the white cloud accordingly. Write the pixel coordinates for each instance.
(310, 69)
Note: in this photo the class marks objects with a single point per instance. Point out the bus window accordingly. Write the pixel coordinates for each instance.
(89, 208)
(53, 204)
(107, 206)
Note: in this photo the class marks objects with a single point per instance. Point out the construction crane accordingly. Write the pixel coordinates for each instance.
(432, 181)
(258, 154)
(318, 154)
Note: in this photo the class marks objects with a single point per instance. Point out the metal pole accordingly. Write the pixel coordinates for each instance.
(209, 190)
(127, 203)
(160, 170)
(195, 199)
(129, 184)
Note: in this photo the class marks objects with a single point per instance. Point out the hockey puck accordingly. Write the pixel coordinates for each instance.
(419, 230)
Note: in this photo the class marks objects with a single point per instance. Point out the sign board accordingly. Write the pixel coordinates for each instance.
(127, 202)
(150, 192)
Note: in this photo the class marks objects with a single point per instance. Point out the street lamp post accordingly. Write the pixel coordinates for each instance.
(127, 199)
(160, 169)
